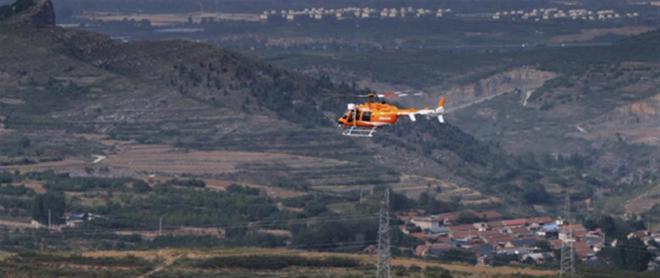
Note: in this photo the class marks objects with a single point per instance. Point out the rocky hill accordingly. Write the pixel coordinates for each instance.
(606, 101)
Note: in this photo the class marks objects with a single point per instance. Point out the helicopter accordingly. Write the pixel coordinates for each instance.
(362, 120)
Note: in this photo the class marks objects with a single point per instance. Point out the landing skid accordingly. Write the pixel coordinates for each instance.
(356, 131)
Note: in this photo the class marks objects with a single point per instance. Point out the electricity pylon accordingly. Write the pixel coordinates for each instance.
(383, 270)
(567, 267)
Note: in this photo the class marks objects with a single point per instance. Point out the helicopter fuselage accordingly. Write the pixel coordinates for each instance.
(373, 114)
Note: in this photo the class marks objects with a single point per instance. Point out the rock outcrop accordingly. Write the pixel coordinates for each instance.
(29, 12)
(523, 79)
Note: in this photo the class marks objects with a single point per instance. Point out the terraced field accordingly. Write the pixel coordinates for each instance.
(265, 164)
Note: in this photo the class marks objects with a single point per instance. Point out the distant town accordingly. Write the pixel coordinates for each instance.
(362, 13)
(559, 14)
(412, 13)
(353, 12)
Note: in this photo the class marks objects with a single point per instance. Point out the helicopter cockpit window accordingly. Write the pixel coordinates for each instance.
(354, 114)
(366, 116)
(350, 115)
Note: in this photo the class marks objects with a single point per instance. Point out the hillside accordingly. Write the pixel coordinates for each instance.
(605, 110)
(597, 103)
(85, 89)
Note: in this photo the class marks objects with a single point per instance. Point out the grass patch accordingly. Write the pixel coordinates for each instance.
(4, 255)
(128, 261)
(32, 264)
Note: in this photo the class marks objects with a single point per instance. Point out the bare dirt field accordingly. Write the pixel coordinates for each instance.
(16, 224)
(34, 185)
(160, 162)
(147, 159)
(644, 202)
(413, 186)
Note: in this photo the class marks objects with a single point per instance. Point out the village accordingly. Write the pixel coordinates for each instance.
(559, 14)
(488, 238)
(485, 237)
(353, 12)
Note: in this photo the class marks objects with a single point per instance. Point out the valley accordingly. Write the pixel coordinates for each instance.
(132, 152)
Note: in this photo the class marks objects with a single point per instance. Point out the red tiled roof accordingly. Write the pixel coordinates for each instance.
(447, 216)
(441, 246)
(489, 233)
(520, 231)
(582, 249)
(541, 219)
(576, 227)
(555, 243)
(465, 227)
(497, 239)
(495, 224)
(578, 230)
(514, 222)
(464, 234)
(420, 236)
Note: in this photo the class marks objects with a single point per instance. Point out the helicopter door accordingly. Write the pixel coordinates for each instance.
(366, 116)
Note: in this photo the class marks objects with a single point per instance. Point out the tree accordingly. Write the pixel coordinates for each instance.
(629, 254)
(431, 205)
(50, 201)
(468, 218)
(141, 186)
(535, 194)
(607, 224)
(25, 142)
(612, 227)
(543, 245)
(399, 202)
(459, 255)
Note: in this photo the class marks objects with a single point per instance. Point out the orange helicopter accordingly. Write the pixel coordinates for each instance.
(362, 120)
